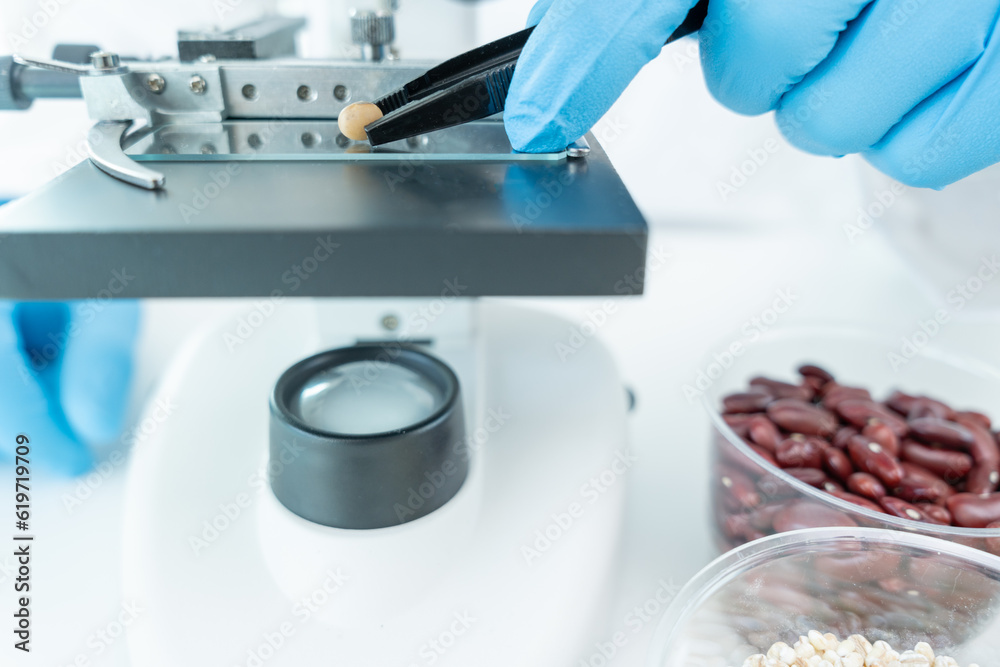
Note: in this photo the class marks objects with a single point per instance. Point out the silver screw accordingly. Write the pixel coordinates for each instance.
(197, 85)
(105, 60)
(390, 322)
(155, 83)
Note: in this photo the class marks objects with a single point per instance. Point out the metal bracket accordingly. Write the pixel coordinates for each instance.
(104, 145)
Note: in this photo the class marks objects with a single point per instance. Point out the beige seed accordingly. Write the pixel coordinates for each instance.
(355, 117)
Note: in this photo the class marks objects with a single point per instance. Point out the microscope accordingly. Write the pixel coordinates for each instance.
(380, 463)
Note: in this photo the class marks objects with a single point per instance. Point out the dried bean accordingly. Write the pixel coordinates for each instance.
(979, 418)
(985, 474)
(834, 394)
(869, 457)
(859, 412)
(739, 491)
(837, 464)
(866, 485)
(799, 452)
(854, 566)
(858, 500)
(973, 511)
(936, 431)
(740, 423)
(764, 433)
(805, 514)
(764, 454)
(935, 513)
(799, 417)
(919, 485)
(902, 509)
(811, 370)
(762, 518)
(883, 435)
(745, 402)
(813, 383)
(923, 406)
(779, 389)
(949, 466)
(900, 402)
(843, 436)
(811, 476)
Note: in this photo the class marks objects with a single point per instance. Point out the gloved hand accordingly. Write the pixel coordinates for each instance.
(65, 371)
(579, 60)
(914, 86)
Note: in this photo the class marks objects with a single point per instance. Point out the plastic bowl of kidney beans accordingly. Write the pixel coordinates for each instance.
(801, 587)
(814, 450)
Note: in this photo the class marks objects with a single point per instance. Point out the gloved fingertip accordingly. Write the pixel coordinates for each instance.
(94, 391)
(537, 12)
(530, 134)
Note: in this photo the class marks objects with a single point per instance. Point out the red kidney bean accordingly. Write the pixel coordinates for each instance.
(865, 485)
(919, 485)
(798, 417)
(936, 431)
(740, 423)
(745, 402)
(831, 486)
(813, 383)
(858, 500)
(858, 565)
(765, 454)
(806, 514)
(902, 509)
(738, 490)
(834, 394)
(736, 526)
(762, 518)
(923, 406)
(837, 464)
(883, 435)
(859, 412)
(764, 433)
(973, 511)
(966, 416)
(985, 474)
(799, 452)
(814, 371)
(843, 436)
(900, 402)
(948, 465)
(869, 457)
(811, 476)
(780, 389)
(935, 513)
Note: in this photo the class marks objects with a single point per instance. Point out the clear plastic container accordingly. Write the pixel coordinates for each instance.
(899, 587)
(857, 358)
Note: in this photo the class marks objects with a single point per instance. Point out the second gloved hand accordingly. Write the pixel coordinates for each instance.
(913, 85)
(579, 60)
(65, 371)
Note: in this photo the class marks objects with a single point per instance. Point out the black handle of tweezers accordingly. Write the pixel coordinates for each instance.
(469, 87)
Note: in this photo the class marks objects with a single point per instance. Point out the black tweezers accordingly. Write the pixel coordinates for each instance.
(468, 87)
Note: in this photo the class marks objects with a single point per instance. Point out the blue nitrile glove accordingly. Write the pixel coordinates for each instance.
(579, 60)
(64, 378)
(914, 85)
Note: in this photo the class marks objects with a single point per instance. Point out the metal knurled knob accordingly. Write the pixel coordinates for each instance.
(374, 29)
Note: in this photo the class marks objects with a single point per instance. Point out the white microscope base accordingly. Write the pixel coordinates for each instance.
(228, 576)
